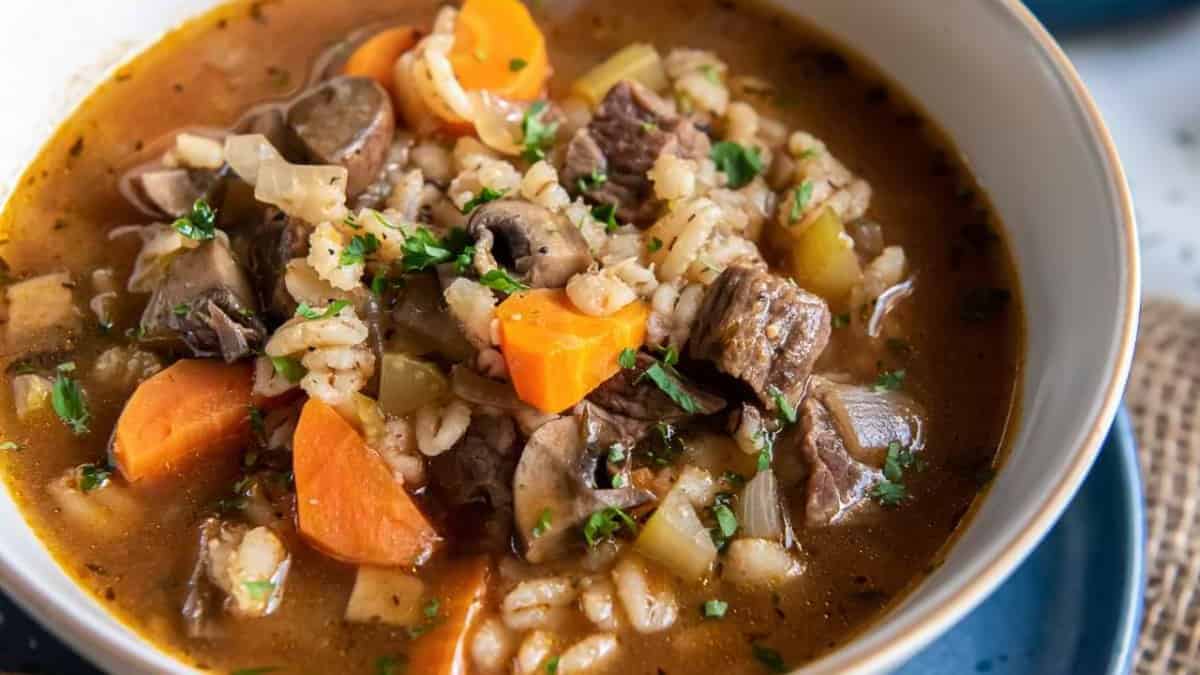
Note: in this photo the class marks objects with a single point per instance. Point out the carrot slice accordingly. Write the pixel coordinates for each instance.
(376, 58)
(499, 48)
(556, 354)
(349, 506)
(191, 410)
(460, 593)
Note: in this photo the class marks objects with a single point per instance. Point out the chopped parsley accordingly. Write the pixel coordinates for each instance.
(710, 73)
(727, 523)
(616, 453)
(537, 135)
(769, 658)
(390, 665)
(840, 320)
(259, 590)
(649, 126)
(93, 477)
(381, 283)
(200, 223)
(181, 309)
(595, 179)
(485, 195)
(627, 358)
(714, 609)
(543, 524)
(603, 524)
(801, 196)
(733, 479)
(739, 164)
(360, 246)
(289, 368)
(257, 423)
(619, 481)
(664, 376)
(783, 408)
(500, 280)
(889, 380)
(430, 610)
(552, 665)
(654, 245)
(9, 445)
(766, 449)
(888, 493)
(68, 401)
(891, 490)
(332, 310)
(517, 65)
(607, 214)
(422, 250)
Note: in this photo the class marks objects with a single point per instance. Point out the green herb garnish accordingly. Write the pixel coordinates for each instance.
(801, 196)
(628, 358)
(766, 449)
(595, 179)
(181, 309)
(422, 250)
(607, 214)
(500, 280)
(739, 164)
(654, 245)
(670, 385)
(889, 380)
(783, 408)
(360, 246)
(390, 665)
(517, 65)
(257, 423)
(93, 477)
(200, 223)
(714, 609)
(289, 368)
(537, 135)
(891, 490)
(485, 195)
(68, 401)
(543, 524)
(769, 658)
(259, 590)
(552, 665)
(605, 523)
(616, 453)
(840, 320)
(332, 310)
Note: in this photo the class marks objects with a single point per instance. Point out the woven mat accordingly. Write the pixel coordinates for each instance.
(1163, 394)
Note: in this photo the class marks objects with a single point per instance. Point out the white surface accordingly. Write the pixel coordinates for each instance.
(986, 78)
(1146, 79)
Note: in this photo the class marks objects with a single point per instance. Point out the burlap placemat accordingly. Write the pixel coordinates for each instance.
(1163, 394)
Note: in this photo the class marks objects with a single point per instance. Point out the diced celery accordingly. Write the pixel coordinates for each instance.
(386, 595)
(407, 383)
(638, 62)
(675, 538)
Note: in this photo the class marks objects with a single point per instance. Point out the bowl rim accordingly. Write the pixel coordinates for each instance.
(120, 648)
(926, 626)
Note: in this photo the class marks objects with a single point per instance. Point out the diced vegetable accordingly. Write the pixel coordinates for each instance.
(348, 504)
(193, 409)
(557, 354)
(31, 395)
(385, 595)
(489, 37)
(460, 595)
(376, 58)
(675, 537)
(246, 153)
(759, 509)
(759, 564)
(639, 62)
(823, 259)
(41, 312)
(363, 413)
(407, 383)
(103, 511)
(315, 193)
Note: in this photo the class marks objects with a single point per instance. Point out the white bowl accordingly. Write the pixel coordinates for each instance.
(983, 69)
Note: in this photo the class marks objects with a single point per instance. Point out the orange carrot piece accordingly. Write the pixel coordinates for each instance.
(349, 505)
(499, 48)
(460, 593)
(556, 354)
(193, 409)
(376, 58)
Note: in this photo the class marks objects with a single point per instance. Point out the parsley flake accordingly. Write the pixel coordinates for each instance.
(332, 310)
(500, 280)
(654, 245)
(422, 250)
(607, 214)
(68, 400)
(485, 195)
(670, 385)
(200, 223)
(783, 408)
(537, 135)
(605, 523)
(840, 320)
(595, 179)
(93, 477)
(888, 493)
(543, 524)
(628, 358)
(181, 309)
(552, 665)
(714, 609)
(769, 658)
(390, 665)
(889, 380)
(616, 453)
(517, 65)
(801, 196)
(360, 246)
(739, 164)
(289, 368)
(259, 590)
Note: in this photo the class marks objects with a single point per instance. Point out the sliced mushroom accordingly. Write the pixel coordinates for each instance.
(269, 247)
(538, 248)
(206, 303)
(174, 191)
(346, 121)
(555, 491)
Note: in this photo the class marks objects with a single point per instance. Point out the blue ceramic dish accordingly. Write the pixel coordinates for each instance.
(1075, 605)
(1072, 14)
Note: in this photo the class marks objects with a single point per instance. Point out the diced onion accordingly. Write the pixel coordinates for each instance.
(498, 122)
(675, 537)
(315, 194)
(246, 152)
(759, 512)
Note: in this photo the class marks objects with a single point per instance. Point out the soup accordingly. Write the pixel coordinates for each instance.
(582, 337)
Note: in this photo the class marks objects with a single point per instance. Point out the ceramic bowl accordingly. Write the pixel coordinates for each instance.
(983, 69)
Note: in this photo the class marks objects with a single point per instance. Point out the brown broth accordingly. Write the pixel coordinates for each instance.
(208, 72)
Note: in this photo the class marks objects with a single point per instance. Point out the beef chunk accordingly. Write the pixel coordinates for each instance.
(630, 394)
(207, 304)
(837, 482)
(763, 330)
(632, 127)
(346, 121)
(531, 243)
(474, 480)
(269, 247)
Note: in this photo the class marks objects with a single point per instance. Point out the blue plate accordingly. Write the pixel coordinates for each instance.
(1073, 607)
(1061, 15)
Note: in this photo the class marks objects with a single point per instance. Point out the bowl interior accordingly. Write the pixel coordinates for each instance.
(984, 71)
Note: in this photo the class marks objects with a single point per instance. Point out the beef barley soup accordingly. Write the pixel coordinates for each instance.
(575, 337)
